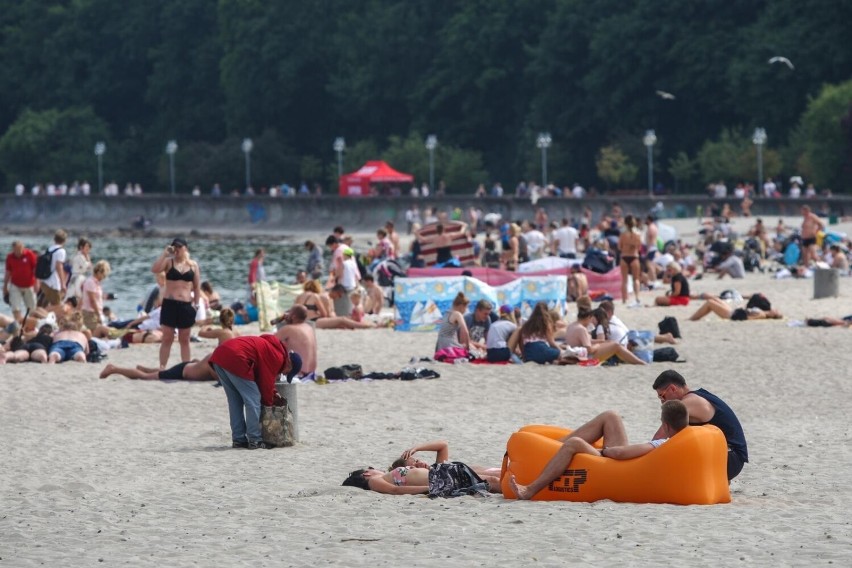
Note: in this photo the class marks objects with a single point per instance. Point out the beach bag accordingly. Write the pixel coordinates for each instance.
(669, 325)
(95, 355)
(343, 372)
(641, 343)
(44, 264)
(598, 261)
(665, 354)
(277, 426)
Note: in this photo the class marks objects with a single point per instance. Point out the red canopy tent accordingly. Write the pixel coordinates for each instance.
(358, 183)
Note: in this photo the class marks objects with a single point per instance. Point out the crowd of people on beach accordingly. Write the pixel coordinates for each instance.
(59, 315)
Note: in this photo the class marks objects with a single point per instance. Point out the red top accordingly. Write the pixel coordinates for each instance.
(22, 268)
(253, 270)
(258, 358)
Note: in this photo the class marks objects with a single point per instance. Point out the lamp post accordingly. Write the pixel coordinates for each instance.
(171, 148)
(247, 147)
(339, 146)
(649, 140)
(544, 141)
(431, 144)
(100, 150)
(759, 139)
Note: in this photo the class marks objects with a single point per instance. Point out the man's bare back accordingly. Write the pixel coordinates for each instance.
(301, 338)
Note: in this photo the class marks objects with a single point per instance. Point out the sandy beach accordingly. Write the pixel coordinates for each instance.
(140, 473)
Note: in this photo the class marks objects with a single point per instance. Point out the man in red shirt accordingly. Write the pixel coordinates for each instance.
(20, 280)
(248, 368)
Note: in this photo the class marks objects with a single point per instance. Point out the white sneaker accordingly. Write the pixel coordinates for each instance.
(635, 304)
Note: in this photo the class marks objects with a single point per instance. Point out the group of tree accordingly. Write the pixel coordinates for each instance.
(485, 76)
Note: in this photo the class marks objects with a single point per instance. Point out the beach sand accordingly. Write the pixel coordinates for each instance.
(137, 473)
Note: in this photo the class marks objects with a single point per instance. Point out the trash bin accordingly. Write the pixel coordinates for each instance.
(826, 283)
(290, 391)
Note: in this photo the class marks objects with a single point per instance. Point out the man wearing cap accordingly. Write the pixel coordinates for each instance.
(300, 337)
(248, 368)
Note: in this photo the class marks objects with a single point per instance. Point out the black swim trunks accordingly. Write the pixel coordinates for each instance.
(809, 242)
(174, 373)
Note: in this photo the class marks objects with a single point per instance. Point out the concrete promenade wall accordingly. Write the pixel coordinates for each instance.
(265, 214)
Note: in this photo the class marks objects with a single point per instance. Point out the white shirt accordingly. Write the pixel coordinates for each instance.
(499, 333)
(617, 330)
(58, 256)
(153, 321)
(769, 189)
(566, 239)
(578, 192)
(535, 242)
(721, 190)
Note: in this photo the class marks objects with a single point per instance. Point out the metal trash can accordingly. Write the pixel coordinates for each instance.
(826, 283)
(290, 391)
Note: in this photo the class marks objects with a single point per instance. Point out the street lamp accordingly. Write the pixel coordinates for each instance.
(759, 139)
(544, 141)
(247, 146)
(171, 148)
(649, 140)
(431, 144)
(100, 150)
(339, 146)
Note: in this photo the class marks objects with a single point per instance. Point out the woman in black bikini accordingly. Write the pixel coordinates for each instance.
(311, 300)
(181, 295)
(629, 245)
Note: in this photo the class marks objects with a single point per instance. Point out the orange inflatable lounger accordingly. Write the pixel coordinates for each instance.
(689, 469)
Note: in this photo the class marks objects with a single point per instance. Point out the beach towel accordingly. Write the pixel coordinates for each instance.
(451, 354)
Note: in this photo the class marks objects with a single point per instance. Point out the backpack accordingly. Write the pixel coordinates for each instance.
(598, 261)
(344, 372)
(95, 354)
(669, 325)
(44, 264)
(665, 354)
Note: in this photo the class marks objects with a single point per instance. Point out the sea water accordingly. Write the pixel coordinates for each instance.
(224, 262)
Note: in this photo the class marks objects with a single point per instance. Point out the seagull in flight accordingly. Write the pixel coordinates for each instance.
(784, 60)
(665, 95)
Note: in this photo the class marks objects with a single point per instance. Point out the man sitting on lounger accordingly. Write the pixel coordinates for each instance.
(608, 425)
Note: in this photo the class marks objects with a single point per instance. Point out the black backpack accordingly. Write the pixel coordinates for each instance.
(665, 354)
(95, 354)
(669, 325)
(44, 264)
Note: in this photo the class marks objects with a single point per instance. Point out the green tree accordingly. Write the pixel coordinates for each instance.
(682, 169)
(722, 158)
(826, 151)
(52, 145)
(614, 167)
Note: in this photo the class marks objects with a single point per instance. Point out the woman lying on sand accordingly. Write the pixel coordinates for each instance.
(411, 476)
(189, 371)
(224, 333)
(721, 308)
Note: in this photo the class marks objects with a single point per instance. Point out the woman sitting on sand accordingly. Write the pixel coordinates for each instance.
(312, 301)
(189, 371)
(534, 341)
(411, 476)
(224, 333)
(679, 294)
(499, 333)
(453, 332)
(578, 336)
(758, 307)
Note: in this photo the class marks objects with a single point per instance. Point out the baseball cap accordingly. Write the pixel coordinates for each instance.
(295, 365)
(506, 309)
(179, 242)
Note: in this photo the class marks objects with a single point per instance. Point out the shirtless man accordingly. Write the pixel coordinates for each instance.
(705, 408)
(651, 234)
(301, 338)
(69, 343)
(188, 371)
(811, 225)
(674, 418)
(375, 300)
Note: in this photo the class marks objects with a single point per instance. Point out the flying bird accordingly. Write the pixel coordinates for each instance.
(784, 60)
(665, 95)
